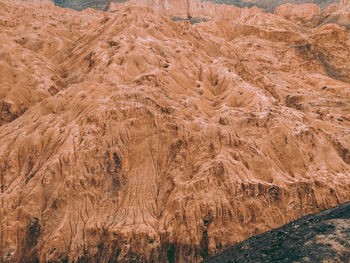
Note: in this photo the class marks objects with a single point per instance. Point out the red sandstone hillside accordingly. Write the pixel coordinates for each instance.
(127, 136)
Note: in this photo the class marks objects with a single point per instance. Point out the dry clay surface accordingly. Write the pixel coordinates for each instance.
(128, 136)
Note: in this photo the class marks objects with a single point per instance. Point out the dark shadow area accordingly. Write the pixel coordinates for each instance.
(313, 238)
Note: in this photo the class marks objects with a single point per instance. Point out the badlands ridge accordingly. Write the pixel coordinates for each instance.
(127, 136)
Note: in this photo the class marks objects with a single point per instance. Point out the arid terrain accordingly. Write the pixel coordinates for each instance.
(127, 136)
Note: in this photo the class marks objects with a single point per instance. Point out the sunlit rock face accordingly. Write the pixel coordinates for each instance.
(302, 13)
(127, 136)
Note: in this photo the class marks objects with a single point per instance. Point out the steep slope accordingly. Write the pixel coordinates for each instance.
(323, 237)
(165, 141)
(19, 60)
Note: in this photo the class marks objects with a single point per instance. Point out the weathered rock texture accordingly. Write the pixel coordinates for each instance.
(339, 14)
(127, 136)
(299, 13)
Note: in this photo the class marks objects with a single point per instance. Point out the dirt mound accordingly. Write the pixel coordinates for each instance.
(125, 135)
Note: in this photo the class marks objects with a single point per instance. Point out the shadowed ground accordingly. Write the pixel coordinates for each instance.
(323, 237)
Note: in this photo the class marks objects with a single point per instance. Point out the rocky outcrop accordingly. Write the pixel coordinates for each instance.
(338, 14)
(299, 13)
(323, 237)
(128, 136)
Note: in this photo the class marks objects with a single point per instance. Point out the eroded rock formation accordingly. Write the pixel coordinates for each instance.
(299, 13)
(129, 136)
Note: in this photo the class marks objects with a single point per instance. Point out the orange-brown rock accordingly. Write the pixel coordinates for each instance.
(298, 13)
(338, 13)
(127, 136)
